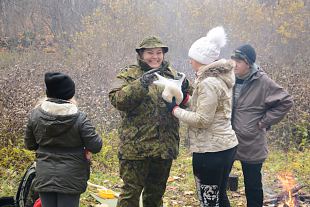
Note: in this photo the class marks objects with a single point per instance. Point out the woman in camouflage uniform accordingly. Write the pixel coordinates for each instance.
(149, 134)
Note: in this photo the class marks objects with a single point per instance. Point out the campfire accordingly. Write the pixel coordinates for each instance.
(291, 196)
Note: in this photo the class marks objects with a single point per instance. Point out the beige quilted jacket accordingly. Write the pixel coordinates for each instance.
(209, 114)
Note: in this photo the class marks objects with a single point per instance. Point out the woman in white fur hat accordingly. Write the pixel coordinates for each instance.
(212, 140)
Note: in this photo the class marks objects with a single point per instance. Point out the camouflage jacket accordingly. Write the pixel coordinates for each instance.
(147, 129)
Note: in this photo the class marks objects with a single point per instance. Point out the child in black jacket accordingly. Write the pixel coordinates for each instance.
(61, 134)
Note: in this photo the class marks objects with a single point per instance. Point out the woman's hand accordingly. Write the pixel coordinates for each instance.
(171, 106)
(147, 79)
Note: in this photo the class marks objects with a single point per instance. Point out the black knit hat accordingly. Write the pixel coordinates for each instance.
(245, 52)
(59, 85)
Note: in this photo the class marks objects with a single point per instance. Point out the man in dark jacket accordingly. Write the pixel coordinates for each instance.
(258, 103)
(60, 134)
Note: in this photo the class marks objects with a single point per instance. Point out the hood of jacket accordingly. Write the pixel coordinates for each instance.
(256, 72)
(253, 74)
(222, 69)
(57, 118)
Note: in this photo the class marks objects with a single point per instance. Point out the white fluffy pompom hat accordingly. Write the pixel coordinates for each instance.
(207, 49)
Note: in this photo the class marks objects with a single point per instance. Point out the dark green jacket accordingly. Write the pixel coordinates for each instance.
(60, 134)
(147, 128)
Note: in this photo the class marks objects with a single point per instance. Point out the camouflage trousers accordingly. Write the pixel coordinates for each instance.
(148, 176)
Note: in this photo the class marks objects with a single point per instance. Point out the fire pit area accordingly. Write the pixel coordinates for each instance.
(291, 194)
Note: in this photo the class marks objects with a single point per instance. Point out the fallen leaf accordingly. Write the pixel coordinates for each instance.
(189, 193)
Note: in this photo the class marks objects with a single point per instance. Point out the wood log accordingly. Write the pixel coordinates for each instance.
(280, 196)
(304, 197)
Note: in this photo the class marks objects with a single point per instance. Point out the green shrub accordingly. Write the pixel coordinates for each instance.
(13, 162)
(300, 133)
(105, 160)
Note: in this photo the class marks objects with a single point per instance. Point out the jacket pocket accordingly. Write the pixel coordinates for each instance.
(251, 131)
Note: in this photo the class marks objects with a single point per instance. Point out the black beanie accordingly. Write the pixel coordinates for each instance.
(245, 52)
(59, 85)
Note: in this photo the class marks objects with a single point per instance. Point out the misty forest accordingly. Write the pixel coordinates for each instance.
(93, 40)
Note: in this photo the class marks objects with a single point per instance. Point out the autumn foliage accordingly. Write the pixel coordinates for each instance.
(93, 40)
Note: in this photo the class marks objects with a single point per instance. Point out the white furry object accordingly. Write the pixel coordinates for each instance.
(207, 49)
(172, 88)
(217, 36)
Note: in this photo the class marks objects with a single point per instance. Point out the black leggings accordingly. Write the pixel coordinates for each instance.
(59, 200)
(211, 171)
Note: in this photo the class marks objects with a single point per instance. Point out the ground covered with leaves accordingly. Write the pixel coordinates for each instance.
(180, 190)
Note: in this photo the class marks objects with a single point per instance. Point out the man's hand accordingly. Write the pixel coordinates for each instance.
(172, 105)
(261, 125)
(88, 155)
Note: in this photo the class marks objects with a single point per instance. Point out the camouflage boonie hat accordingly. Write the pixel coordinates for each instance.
(152, 42)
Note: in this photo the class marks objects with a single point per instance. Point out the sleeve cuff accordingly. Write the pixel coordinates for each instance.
(186, 99)
(174, 109)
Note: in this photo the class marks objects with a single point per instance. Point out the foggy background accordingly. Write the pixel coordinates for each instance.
(93, 40)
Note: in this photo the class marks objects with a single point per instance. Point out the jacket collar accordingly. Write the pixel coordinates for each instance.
(256, 72)
(57, 108)
(164, 68)
(223, 69)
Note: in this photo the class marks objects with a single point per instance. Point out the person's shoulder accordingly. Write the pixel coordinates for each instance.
(266, 80)
(223, 65)
(259, 74)
(81, 117)
(36, 111)
(263, 76)
(34, 114)
(81, 114)
(211, 83)
(130, 70)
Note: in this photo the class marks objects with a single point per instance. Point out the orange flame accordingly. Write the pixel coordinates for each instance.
(288, 183)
